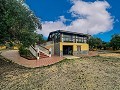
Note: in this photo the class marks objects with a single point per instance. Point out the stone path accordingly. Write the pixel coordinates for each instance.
(15, 57)
(70, 57)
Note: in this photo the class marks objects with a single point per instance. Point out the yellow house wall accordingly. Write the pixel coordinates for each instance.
(15, 47)
(2, 47)
(84, 46)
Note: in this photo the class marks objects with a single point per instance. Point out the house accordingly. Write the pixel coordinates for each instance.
(62, 43)
(67, 43)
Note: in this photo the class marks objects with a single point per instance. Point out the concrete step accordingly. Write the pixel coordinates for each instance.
(42, 55)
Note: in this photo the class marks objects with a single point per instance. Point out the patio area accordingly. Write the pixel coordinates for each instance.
(14, 56)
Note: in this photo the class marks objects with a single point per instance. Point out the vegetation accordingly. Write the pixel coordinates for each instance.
(40, 39)
(17, 22)
(91, 73)
(24, 52)
(97, 43)
(115, 42)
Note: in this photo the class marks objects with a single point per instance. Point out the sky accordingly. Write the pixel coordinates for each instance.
(99, 18)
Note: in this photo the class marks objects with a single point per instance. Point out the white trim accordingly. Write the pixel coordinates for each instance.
(33, 51)
(45, 53)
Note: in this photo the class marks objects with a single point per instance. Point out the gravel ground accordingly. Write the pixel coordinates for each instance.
(117, 55)
(88, 73)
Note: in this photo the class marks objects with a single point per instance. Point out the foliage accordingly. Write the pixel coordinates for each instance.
(27, 38)
(95, 43)
(105, 45)
(99, 44)
(24, 52)
(15, 20)
(40, 39)
(115, 42)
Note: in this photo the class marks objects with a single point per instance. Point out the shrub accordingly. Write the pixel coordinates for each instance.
(11, 44)
(24, 52)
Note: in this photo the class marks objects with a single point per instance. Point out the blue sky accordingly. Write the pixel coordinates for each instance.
(99, 18)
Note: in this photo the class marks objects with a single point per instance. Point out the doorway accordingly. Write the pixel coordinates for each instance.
(67, 50)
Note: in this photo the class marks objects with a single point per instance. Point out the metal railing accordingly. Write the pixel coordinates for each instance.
(33, 51)
(44, 50)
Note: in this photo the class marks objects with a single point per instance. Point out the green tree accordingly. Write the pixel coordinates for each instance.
(105, 45)
(95, 43)
(40, 39)
(17, 22)
(115, 42)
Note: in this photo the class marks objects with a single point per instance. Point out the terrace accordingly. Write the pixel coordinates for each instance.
(67, 36)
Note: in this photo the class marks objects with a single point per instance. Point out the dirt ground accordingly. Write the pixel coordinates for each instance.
(86, 73)
(117, 55)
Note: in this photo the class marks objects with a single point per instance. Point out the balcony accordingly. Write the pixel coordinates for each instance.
(74, 40)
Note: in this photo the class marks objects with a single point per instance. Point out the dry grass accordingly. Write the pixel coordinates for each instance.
(117, 55)
(92, 73)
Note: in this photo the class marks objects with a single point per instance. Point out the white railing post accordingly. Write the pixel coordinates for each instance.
(33, 51)
(38, 54)
(62, 38)
(50, 52)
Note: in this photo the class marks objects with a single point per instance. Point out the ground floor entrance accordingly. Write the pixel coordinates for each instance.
(67, 50)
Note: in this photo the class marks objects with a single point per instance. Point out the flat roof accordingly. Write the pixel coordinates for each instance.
(69, 32)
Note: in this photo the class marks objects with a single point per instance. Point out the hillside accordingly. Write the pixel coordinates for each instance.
(93, 73)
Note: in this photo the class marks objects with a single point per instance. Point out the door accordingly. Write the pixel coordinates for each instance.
(67, 50)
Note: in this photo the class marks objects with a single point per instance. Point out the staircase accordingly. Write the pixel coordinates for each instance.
(42, 55)
(47, 43)
(40, 51)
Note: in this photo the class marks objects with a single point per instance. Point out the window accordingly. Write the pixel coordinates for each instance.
(78, 48)
(85, 39)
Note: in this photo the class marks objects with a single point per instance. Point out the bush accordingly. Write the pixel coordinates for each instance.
(24, 52)
(11, 44)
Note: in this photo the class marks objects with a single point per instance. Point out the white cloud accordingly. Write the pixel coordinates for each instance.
(92, 18)
(49, 26)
